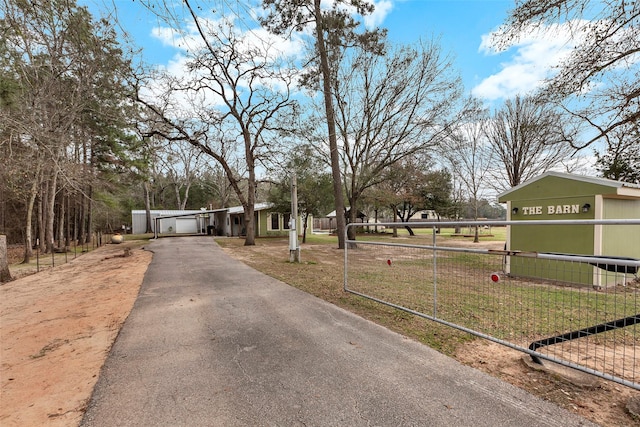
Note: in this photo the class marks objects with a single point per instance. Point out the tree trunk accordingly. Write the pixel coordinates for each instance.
(67, 237)
(81, 220)
(353, 218)
(476, 237)
(147, 207)
(410, 230)
(3, 209)
(89, 215)
(5, 274)
(28, 238)
(183, 206)
(51, 211)
(249, 209)
(61, 219)
(375, 221)
(396, 214)
(304, 227)
(74, 236)
(331, 126)
(76, 221)
(41, 219)
(176, 190)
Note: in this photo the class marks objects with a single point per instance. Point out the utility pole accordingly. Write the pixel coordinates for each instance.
(294, 247)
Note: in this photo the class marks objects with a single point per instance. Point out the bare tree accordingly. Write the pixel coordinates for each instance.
(527, 138)
(182, 163)
(234, 101)
(334, 29)
(401, 189)
(470, 157)
(601, 74)
(220, 187)
(45, 112)
(389, 108)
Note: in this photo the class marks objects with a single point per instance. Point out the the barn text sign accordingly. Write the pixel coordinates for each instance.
(551, 210)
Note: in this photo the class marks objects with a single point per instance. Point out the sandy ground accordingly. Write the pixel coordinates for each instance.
(56, 329)
(600, 401)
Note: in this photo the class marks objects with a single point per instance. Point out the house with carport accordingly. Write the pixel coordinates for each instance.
(228, 222)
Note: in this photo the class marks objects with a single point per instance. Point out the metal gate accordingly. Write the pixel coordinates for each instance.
(581, 311)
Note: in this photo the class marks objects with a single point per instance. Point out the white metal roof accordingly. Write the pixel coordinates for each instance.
(257, 207)
(174, 212)
(165, 212)
(590, 179)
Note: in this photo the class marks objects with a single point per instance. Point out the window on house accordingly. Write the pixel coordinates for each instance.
(285, 221)
(274, 217)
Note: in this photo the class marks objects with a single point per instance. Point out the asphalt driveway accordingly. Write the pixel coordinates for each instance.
(212, 342)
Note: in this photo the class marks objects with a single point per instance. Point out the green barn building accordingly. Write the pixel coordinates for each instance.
(561, 196)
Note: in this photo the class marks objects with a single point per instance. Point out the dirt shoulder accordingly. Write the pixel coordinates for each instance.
(57, 328)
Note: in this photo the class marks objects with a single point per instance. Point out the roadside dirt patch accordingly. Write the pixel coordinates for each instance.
(603, 403)
(57, 329)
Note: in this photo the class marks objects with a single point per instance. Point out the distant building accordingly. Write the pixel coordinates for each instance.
(425, 215)
(220, 222)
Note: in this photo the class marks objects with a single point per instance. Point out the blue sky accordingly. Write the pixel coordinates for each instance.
(463, 26)
(460, 25)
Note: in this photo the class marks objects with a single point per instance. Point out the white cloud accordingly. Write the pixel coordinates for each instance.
(167, 36)
(382, 9)
(536, 55)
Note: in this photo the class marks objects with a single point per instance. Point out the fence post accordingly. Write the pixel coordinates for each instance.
(435, 273)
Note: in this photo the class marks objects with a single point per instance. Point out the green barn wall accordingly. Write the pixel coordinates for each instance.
(553, 238)
(564, 239)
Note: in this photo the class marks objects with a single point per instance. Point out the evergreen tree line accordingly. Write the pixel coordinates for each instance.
(66, 139)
